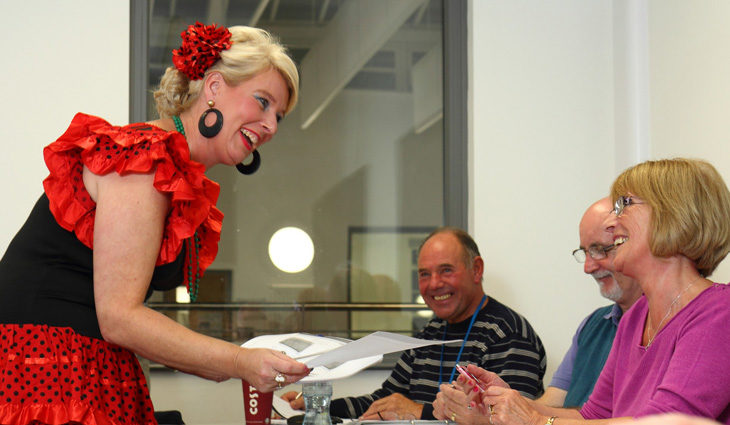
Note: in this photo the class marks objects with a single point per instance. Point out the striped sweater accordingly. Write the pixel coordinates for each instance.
(501, 341)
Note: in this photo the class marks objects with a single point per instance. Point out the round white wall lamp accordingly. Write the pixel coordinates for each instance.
(291, 249)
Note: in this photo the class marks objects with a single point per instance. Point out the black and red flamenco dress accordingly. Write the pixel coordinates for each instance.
(55, 367)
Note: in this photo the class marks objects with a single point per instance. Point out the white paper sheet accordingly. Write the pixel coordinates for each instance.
(283, 408)
(377, 343)
(305, 346)
(336, 358)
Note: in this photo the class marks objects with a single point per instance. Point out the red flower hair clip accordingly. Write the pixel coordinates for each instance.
(201, 47)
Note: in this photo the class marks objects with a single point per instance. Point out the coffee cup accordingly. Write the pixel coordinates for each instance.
(256, 405)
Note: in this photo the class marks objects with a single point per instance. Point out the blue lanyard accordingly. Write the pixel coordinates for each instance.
(463, 343)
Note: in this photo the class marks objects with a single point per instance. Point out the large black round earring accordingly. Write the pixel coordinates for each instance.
(214, 129)
(252, 166)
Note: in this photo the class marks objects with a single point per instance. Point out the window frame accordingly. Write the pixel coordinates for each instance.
(455, 128)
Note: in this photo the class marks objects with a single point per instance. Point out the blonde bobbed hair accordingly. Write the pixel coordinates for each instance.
(253, 51)
(690, 208)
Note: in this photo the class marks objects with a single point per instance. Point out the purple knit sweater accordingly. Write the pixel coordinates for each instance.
(686, 368)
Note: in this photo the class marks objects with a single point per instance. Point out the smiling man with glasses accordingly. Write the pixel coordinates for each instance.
(573, 381)
(595, 251)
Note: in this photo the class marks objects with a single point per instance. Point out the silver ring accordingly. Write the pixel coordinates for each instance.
(280, 379)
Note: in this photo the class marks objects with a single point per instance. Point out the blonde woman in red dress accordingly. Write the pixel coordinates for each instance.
(127, 210)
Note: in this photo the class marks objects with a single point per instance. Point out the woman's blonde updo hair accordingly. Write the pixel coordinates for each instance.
(253, 50)
(690, 208)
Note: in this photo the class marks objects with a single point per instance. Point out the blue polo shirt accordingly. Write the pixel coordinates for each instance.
(579, 370)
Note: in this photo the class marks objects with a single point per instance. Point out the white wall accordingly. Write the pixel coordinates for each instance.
(59, 58)
(690, 85)
(542, 135)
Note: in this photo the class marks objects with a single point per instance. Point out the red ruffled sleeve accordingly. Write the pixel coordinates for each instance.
(137, 148)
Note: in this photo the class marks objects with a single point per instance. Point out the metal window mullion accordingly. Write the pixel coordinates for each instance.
(456, 183)
(138, 59)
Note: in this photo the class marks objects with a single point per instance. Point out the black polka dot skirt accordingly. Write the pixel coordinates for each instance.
(52, 375)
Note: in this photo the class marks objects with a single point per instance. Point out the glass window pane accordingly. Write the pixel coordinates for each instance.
(358, 166)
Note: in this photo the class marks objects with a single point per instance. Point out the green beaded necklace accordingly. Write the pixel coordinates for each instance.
(178, 124)
(191, 243)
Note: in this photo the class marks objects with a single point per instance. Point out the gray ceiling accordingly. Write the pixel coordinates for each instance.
(300, 24)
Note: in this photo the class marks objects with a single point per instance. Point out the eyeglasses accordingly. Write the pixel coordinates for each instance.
(623, 202)
(597, 252)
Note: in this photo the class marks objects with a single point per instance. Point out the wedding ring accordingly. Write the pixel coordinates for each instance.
(453, 416)
(280, 379)
(491, 409)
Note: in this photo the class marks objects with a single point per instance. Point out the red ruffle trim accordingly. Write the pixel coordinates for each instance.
(52, 375)
(137, 148)
(73, 412)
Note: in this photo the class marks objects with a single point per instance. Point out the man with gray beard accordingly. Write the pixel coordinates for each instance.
(573, 381)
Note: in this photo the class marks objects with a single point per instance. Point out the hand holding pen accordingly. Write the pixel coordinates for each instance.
(295, 400)
(461, 401)
(484, 378)
(472, 383)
